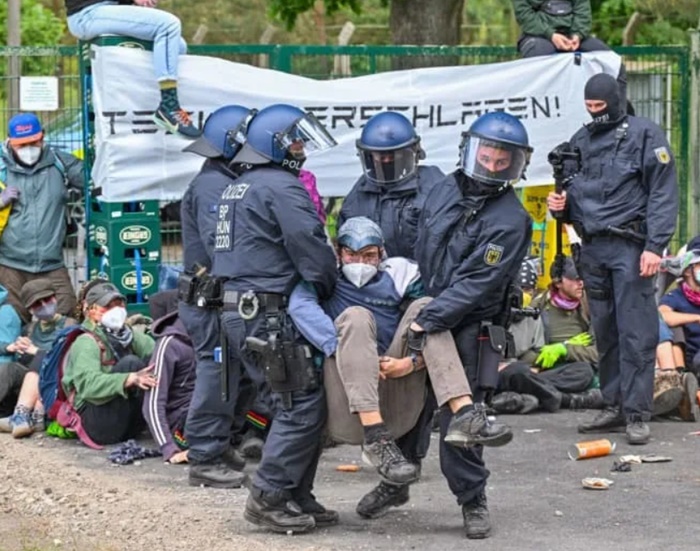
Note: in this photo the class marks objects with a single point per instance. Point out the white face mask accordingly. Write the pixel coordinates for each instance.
(359, 274)
(29, 155)
(114, 318)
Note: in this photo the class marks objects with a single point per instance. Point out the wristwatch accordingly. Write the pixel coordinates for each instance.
(414, 361)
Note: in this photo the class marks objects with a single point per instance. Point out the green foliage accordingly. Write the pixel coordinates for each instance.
(489, 23)
(664, 22)
(287, 11)
(39, 27)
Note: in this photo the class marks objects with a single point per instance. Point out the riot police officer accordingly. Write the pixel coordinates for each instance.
(623, 202)
(208, 426)
(472, 237)
(391, 192)
(268, 238)
(393, 186)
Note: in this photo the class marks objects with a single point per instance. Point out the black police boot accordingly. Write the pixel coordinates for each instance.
(477, 522)
(322, 516)
(473, 427)
(637, 431)
(276, 513)
(590, 399)
(233, 459)
(513, 402)
(608, 420)
(507, 402)
(392, 466)
(216, 475)
(377, 502)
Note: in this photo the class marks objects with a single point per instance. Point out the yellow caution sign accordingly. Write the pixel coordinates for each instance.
(544, 229)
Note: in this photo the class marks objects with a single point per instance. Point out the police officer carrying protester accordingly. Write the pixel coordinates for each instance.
(209, 420)
(623, 202)
(393, 187)
(391, 192)
(268, 238)
(472, 237)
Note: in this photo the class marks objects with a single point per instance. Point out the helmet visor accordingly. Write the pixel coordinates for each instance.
(386, 167)
(492, 162)
(305, 137)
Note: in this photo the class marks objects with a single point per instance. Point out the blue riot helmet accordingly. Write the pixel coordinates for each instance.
(284, 135)
(495, 150)
(389, 148)
(359, 232)
(224, 132)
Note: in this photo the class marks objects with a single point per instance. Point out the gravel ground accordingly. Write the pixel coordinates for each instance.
(61, 495)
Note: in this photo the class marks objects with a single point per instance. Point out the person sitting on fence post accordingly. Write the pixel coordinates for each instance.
(88, 19)
(36, 182)
(553, 26)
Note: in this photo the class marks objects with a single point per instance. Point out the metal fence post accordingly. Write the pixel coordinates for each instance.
(694, 135)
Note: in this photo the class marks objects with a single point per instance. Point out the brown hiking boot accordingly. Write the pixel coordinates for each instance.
(688, 409)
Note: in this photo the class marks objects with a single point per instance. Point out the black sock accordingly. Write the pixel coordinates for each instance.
(168, 99)
(464, 409)
(373, 433)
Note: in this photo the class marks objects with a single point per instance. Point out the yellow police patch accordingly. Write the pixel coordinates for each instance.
(493, 254)
(662, 155)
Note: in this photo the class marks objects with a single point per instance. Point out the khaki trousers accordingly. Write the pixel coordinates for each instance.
(352, 378)
(13, 280)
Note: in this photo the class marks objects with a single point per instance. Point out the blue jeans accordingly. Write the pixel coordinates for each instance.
(161, 27)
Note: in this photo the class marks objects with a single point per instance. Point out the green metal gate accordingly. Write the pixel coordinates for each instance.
(659, 87)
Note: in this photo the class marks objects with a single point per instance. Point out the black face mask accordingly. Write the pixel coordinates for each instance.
(603, 87)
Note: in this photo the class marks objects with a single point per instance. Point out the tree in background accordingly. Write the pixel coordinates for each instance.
(483, 22)
(649, 22)
(39, 27)
(420, 22)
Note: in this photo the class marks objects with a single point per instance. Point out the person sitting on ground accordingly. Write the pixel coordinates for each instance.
(670, 365)
(38, 183)
(88, 19)
(374, 375)
(681, 308)
(10, 330)
(552, 26)
(39, 297)
(165, 406)
(106, 369)
(558, 369)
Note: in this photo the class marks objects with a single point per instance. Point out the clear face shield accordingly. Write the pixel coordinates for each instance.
(236, 137)
(491, 162)
(387, 167)
(305, 137)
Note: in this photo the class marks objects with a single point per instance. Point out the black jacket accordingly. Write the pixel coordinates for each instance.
(470, 247)
(627, 174)
(268, 236)
(394, 207)
(198, 212)
(74, 6)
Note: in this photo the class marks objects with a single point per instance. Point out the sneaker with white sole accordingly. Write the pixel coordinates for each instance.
(176, 122)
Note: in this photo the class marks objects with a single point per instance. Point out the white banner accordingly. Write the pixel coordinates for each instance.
(134, 160)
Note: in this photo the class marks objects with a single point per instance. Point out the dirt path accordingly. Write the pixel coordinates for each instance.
(57, 495)
(51, 498)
